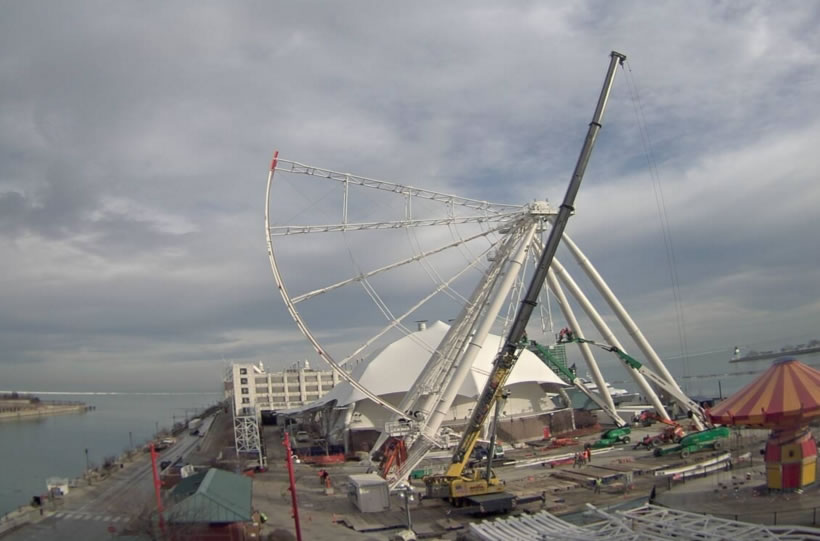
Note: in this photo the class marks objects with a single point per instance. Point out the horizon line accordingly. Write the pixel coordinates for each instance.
(27, 392)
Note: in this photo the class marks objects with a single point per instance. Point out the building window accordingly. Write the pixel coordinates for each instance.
(244, 390)
(246, 400)
(243, 381)
(243, 371)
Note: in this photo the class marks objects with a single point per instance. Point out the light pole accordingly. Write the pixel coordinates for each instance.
(87, 467)
(130, 440)
(289, 461)
(408, 497)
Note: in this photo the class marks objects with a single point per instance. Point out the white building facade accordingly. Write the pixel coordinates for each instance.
(256, 391)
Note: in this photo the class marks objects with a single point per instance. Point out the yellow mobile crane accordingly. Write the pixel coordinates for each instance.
(456, 484)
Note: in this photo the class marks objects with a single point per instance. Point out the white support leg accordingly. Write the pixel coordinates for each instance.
(427, 388)
(464, 365)
(619, 310)
(607, 334)
(586, 351)
(451, 357)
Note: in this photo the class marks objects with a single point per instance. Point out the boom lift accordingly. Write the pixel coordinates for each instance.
(456, 484)
(691, 407)
(672, 433)
(568, 376)
(709, 439)
(395, 455)
(613, 436)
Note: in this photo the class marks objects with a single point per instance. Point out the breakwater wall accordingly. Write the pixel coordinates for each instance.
(26, 411)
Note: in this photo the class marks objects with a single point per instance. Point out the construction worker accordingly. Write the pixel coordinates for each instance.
(597, 485)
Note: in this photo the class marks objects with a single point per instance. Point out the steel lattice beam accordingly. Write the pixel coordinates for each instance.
(283, 230)
(648, 522)
(287, 166)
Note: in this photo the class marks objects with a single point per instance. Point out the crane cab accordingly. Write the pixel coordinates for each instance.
(456, 489)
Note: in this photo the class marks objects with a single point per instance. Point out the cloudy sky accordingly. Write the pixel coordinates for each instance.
(135, 139)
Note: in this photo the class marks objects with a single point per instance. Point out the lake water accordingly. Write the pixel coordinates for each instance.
(54, 446)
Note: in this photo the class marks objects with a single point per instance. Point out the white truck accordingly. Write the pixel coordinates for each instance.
(193, 426)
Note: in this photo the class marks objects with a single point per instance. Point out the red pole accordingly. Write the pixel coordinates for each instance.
(156, 486)
(289, 460)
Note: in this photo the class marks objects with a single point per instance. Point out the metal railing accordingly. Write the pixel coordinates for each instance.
(792, 517)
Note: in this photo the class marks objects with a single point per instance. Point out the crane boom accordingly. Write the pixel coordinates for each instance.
(505, 360)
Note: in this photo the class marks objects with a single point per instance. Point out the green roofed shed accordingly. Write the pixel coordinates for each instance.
(214, 497)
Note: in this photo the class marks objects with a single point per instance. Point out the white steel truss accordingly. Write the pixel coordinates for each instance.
(503, 228)
(429, 386)
(247, 436)
(288, 166)
(305, 296)
(645, 523)
(437, 403)
(397, 224)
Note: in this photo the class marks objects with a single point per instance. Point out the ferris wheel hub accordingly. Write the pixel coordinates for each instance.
(541, 208)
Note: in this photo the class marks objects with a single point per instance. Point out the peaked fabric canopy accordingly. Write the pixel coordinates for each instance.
(396, 367)
(787, 394)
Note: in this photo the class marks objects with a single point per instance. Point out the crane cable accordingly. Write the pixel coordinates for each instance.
(663, 216)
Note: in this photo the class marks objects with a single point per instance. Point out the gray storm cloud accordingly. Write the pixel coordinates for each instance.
(134, 142)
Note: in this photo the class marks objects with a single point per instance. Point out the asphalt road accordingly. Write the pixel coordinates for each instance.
(102, 510)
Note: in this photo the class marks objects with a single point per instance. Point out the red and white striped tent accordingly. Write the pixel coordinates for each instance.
(785, 395)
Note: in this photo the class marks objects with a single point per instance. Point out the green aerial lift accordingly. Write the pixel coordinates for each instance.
(692, 408)
(709, 439)
(567, 375)
(613, 436)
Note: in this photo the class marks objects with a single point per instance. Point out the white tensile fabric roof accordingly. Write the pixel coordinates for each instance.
(396, 367)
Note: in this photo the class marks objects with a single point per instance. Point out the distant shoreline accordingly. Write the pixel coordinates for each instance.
(15, 406)
(108, 393)
(775, 354)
